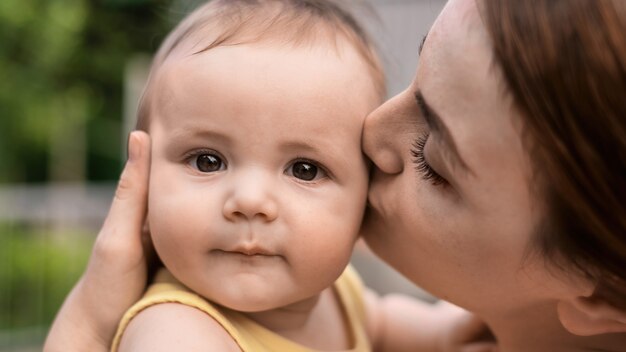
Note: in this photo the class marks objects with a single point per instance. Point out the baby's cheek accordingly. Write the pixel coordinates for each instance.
(167, 231)
(162, 217)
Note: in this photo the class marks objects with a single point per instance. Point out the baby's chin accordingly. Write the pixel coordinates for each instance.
(246, 302)
(252, 301)
(251, 294)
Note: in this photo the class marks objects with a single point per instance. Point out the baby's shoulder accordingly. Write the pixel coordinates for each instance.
(175, 327)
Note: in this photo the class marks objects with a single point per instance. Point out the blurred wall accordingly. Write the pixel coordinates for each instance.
(398, 31)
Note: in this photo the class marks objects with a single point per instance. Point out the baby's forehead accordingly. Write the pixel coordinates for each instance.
(266, 75)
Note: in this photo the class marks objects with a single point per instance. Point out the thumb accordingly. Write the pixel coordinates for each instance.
(472, 328)
(480, 347)
(122, 229)
(474, 333)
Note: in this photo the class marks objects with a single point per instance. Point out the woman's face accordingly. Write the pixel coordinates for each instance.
(451, 198)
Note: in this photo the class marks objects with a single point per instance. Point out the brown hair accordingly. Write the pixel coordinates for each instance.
(295, 22)
(564, 62)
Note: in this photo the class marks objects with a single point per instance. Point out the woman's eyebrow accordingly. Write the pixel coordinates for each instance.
(436, 124)
(419, 51)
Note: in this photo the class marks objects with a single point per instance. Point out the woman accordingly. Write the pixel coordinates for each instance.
(498, 184)
(501, 180)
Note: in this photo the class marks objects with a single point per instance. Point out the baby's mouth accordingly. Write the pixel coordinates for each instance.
(249, 251)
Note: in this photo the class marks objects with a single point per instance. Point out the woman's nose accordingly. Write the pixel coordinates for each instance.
(252, 196)
(381, 133)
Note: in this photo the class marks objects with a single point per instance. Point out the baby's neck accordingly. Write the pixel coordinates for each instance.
(538, 329)
(317, 322)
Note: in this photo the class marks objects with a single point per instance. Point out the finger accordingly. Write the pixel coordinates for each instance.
(473, 329)
(152, 259)
(480, 347)
(128, 210)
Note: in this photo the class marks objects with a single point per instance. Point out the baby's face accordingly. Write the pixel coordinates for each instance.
(258, 183)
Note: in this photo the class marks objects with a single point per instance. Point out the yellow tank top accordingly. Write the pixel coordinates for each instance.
(250, 336)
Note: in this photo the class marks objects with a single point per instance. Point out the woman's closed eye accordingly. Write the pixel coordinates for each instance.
(306, 170)
(421, 164)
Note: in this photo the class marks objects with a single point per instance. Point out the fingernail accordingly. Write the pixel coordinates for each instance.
(134, 150)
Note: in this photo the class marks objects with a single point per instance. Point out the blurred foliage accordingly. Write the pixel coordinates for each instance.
(61, 82)
(37, 270)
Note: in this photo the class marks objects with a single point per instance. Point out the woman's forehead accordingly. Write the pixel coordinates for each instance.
(459, 27)
(456, 64)
(457, 59)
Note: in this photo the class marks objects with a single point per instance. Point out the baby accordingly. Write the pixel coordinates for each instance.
(258, 185)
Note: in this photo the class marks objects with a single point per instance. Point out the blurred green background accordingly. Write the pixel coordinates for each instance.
(64, 67)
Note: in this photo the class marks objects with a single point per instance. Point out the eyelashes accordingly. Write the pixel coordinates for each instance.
(421, 165)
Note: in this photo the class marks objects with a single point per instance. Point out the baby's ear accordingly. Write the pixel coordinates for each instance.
(586, 316)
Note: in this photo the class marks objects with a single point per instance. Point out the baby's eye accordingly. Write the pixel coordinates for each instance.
(207, 163)
(305, 171)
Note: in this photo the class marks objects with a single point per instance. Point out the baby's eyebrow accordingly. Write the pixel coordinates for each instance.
(184, 134)
(301, 146)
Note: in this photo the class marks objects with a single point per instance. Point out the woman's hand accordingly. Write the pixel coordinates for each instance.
(116, 275)
(397, 322)
(463, 331)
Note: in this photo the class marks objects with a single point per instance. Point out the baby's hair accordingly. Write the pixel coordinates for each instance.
(294, 22)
